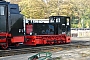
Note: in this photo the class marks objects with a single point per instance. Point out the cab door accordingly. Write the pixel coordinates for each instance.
(3, 18)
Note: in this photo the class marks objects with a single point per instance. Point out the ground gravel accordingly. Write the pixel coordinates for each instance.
(73, 54)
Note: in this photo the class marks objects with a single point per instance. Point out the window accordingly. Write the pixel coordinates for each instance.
(51, 20)
(57, 19)
(67, 21)
(1, 10)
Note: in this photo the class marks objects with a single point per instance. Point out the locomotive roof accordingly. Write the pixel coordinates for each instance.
(38, 20)
(2, 2)
(58, 16)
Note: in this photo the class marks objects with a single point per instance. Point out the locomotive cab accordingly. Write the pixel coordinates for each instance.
(62, 24)
(11, 19)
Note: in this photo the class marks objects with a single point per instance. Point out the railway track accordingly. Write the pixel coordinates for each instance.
(51, 48)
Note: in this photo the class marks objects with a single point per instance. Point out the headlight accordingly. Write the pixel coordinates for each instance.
(63, 32)
(30, 33)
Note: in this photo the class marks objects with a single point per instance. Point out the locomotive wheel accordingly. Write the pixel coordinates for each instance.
(61, 41)
(5, 46)
(58, 42)
(51, 43)
(17, 44)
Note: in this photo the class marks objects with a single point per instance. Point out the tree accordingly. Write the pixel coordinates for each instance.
(14, 1)
(33, 8)
(77, 9)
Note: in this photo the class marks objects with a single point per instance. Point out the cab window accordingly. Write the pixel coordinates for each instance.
(1, 10)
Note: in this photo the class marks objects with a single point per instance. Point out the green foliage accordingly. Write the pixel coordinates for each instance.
(33, 8)
(76, 9)
(74, 25)
(86, 24)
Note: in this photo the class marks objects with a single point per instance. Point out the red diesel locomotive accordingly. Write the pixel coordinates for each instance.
(14, 29)
(57, 31)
